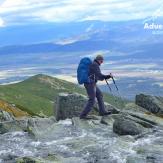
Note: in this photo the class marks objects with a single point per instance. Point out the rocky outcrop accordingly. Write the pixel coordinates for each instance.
(71, 105)
(12, 109)
(5, 116)
(6, 120)
(10, 126)
(129, 123)
(154, 104)
(72, 140)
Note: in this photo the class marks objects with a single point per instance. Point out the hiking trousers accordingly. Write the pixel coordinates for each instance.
(93, 92)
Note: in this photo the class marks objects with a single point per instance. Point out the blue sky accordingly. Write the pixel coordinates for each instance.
(33, 11)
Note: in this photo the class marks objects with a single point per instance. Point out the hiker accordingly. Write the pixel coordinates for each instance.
(92, 90)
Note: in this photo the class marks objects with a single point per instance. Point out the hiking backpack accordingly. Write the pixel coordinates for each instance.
(83, 70)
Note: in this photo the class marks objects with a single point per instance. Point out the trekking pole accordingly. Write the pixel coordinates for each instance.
(117, 89)
(108, 85)
(114, 82)
(114, 98)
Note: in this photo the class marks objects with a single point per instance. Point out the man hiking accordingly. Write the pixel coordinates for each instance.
(92, 90)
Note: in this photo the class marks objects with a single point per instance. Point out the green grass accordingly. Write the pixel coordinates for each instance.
(37, 94)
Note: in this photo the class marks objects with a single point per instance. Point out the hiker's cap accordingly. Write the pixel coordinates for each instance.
(99, 57)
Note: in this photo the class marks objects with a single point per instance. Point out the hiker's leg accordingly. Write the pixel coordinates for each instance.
(91, 91)
(100, 100)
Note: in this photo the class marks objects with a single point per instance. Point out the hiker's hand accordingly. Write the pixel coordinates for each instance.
(111, 76)
(108, 76)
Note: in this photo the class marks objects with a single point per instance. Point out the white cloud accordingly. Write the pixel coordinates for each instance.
(135, 66)
(66, 77)
(11, 11)
(1, 22)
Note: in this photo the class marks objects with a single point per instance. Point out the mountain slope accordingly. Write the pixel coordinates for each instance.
(12, 109)
(37, 94)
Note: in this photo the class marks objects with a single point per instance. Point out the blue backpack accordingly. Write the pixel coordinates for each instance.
(83, 70)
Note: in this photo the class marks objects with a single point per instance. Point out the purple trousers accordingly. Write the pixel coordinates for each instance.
(93, 92)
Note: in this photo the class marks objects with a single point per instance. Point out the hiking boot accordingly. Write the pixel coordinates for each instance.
(105, 113)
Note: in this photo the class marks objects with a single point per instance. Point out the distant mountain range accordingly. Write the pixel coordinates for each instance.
(126, 37)
(52, 32)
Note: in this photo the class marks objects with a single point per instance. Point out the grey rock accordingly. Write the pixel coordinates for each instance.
(152, 152)
(9, 126)
(5, 116)
(37, 127)
(132, 107)
(140, 120)
(109, 120)
(128, 119)
(29, 160)
(9, 158)
(149, 118)
(71, 105)
(154, 104)
(123, 126)
(25, 124)
(136, 159)
(87, 124)
(50, 159)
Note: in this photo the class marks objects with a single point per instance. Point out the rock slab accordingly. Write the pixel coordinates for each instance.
(154, 104)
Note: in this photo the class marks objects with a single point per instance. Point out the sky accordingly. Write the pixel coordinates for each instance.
(34, 11)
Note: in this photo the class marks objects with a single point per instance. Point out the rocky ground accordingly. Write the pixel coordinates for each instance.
(129, 135)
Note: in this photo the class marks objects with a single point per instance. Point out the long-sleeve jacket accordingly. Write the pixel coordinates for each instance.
(95, 72)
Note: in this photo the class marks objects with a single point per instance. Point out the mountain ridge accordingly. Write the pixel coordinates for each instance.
(37, 94)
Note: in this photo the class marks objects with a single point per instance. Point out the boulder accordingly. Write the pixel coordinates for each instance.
(18, 124)
(9, 123)
(5, 116)
(154, 104)
(71, 105)
(37, 127)
(123, 126)
(9, 126)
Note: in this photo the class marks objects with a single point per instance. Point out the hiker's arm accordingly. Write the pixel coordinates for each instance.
(99, 75)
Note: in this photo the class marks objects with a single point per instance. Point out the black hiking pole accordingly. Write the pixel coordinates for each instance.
(108, 85)
(117, 89)
(115, 99)
(114, 82)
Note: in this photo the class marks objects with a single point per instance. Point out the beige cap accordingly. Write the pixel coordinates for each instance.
(99, 57)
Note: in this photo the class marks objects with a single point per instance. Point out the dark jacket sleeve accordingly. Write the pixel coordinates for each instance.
(98, 74)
